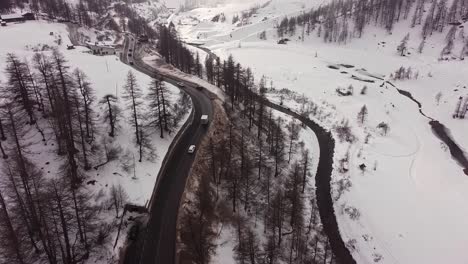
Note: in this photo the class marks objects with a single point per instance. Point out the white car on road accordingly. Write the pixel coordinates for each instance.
(191, 149)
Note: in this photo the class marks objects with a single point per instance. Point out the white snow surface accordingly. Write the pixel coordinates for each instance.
(107, 76)
(413, 205)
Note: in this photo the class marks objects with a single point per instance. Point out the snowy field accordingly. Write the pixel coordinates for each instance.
(411, 198)
(107, 76)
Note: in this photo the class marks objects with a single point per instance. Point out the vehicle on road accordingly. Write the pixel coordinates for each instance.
(180, 84)
(130, 50)
(130, 62)
(199, 87)
(129, 54)
(205, 120)
(191, 149)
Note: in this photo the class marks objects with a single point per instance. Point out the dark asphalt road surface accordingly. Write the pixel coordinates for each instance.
(156, 241)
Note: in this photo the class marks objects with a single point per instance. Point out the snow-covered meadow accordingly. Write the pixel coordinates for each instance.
(411, 195)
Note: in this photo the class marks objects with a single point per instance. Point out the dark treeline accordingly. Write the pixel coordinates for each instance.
(135, 23)
(84, 12)
(340, 20)
(174, 51)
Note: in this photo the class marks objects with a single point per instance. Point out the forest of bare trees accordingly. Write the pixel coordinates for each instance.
(89, 13)
(43, 217)
(174, 51)
(48, 115)
(340, 21)
(256, 180)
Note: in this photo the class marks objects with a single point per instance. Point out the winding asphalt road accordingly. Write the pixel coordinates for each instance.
(156, 242)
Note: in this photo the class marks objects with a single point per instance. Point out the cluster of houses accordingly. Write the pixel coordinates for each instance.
(97, 48)
(103, 48)
(15, 18)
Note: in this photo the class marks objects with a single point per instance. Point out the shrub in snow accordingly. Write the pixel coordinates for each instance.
(438, 97)
(403, 47)
(403, 73)
(345, 91)
(351, 244)
(127, 161)
(367, 139)
(383, 127)
(103, 234)
(352, 212)
(344, 133)
(362, 167)
(364, 90)
(118, 197)
(377, 257)
(343, 185)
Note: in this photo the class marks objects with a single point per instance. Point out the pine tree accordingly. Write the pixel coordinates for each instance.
(403, 45)
(132, 94)
(112, 112)
(10, 246)
(66, 113)
(362, 115)
(43, 66)
(155, 113)
(19, 88)
(87, 99)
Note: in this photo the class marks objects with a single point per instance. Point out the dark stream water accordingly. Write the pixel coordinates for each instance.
(442, 133)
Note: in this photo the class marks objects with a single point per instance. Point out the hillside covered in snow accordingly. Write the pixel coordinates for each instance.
(115, 165)
(398, 187)
(385, 79)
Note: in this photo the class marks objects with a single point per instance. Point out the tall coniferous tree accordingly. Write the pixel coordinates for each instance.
(132, 95)
(112, 112)
(65, 114)
(18, 85)
(87, 99)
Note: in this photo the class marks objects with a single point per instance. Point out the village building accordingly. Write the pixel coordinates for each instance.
(99, 48)
(12, 18)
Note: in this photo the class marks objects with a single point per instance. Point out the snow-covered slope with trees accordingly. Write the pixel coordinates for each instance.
(116, 169)
(399, 193)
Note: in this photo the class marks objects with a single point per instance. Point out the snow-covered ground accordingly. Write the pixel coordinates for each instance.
(226, 241)
(156, 61)
(411, 198)
(107, 76)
